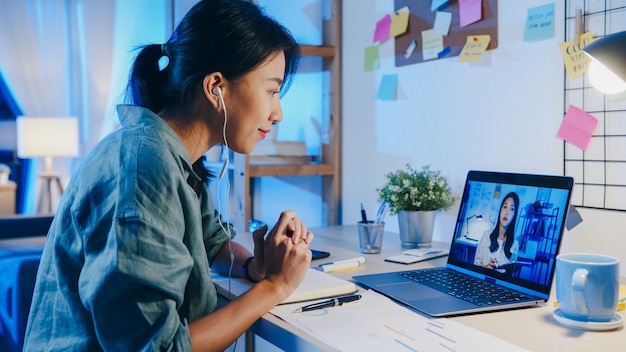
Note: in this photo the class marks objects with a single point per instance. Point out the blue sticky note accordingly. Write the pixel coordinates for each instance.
(388, 88)
(437, 4)
(443, 52)
(539, 23)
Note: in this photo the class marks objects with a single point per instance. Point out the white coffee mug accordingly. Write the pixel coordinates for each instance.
(587, 286)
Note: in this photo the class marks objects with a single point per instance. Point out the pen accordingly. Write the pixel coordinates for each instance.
(341, 264)
(363, 215)
(330, 303)
(382, 211)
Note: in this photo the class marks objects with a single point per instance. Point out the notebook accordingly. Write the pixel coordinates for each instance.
(521, 272)
(315, 285)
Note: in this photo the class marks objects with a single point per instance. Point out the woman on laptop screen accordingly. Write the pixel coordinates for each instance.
(498, 248)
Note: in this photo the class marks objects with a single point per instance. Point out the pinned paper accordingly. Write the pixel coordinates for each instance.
(573, 218)
(409, 51)
(470, 11)
(388, 88)
(383, 26)
(399, 22)
(576, 61)
(432, 44)
(577, 127)
(442, 22)
(539, 23)
(372, 58)
(474, 48)
(437, 4)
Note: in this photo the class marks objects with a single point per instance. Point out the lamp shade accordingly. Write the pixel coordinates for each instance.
(608, 56)
(47, 136)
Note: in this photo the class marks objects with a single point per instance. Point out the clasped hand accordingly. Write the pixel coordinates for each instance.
(283, 256)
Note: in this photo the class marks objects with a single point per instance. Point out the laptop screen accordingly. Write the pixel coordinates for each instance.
(509, 227)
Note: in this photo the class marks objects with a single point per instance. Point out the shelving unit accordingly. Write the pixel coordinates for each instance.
(327, 164)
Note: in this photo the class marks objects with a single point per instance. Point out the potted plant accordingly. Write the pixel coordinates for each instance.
(416, 196)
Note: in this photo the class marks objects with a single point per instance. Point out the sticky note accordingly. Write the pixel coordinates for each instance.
(573, 218)
(474, 48)
(442, 22)
(432, 44)
(437, 4)
(577, 127)
(443, 52)
(399, 22)
(575, 60)
(383, 26)
(409, 50)
(470, 11)
(539, 23)
(388, 88)
(372, 58)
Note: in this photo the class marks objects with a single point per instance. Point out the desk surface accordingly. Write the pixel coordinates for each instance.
(531, 328)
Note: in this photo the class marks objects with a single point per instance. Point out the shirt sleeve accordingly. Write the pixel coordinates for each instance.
(133, 286)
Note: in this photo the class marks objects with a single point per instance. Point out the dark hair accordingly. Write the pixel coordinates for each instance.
(228, 36)
(510, 230)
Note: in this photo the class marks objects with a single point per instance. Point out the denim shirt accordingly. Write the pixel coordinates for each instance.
(126, 262)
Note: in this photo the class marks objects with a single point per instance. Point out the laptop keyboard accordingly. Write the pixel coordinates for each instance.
(465, 287)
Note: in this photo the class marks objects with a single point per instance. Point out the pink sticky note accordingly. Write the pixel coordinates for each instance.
(577, 127)
(470, 11)
(383, 27)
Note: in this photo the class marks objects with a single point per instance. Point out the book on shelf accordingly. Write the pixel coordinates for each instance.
(280, 148)
(316, 285)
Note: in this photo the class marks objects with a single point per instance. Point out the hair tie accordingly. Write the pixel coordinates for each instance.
(164, 60)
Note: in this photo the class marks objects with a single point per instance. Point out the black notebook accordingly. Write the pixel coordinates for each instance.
(485, 270)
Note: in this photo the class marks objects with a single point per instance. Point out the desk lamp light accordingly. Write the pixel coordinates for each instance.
(607, 71)
(47, 137)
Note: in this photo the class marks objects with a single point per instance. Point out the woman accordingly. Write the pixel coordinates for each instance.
(127, 261)
(499, 246)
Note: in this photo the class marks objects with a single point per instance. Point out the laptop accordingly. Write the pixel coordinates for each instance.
(517, 274)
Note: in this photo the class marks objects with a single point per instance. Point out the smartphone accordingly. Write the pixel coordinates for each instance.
(319, 254)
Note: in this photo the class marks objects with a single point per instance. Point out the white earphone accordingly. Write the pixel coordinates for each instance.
(217, 91)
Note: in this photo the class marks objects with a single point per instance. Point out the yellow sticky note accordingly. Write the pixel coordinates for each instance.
(432, 44)
(399, 22)
(576, 61)
(474, 48)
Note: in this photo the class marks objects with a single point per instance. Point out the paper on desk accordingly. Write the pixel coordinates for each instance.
(376, 323)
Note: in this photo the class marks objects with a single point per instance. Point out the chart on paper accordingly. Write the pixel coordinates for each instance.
(378, 324)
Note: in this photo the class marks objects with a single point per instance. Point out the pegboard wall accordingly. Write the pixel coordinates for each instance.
(599, 171)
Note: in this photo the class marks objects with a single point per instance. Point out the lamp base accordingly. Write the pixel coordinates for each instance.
(45, 196)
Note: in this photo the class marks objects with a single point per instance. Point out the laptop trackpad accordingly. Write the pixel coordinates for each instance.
(410, 291)
(425, 299)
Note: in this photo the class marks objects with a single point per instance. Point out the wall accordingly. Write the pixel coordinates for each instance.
(499, 114)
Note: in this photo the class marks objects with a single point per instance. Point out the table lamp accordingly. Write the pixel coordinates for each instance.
(607, 71)
(47, 137)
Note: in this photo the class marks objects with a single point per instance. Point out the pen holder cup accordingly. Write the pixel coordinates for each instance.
(370, 236)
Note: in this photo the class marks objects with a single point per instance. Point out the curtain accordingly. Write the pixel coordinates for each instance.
(56, 59)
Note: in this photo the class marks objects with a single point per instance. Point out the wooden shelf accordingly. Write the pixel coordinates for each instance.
(291, 170)
(317, 50)
(328, 161)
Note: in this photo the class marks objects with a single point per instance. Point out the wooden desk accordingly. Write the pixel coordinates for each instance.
(532, 328)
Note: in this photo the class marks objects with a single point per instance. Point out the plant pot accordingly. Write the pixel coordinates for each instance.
(416, 228)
